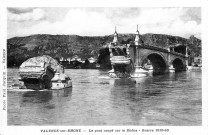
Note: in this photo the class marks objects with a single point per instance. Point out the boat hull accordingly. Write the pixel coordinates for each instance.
(61, 85)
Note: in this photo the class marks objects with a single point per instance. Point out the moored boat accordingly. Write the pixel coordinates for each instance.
(61, 81)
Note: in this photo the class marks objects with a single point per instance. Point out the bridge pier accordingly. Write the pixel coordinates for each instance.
(139, 71)
(187, 66)
(112, 73)
(171, 69)
(138, 68)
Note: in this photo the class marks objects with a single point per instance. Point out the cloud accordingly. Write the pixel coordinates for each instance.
(77, 21)
(32, 15)
(20, 10)
(101, 21)
(192, 14)
(165, 21)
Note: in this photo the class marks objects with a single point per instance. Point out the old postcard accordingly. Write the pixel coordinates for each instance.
(89, 67)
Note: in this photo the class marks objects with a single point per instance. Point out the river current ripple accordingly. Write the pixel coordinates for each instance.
(168, 100)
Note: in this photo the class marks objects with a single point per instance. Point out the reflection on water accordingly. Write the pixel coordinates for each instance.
(96, 99)
(44, 96)
(36, 96)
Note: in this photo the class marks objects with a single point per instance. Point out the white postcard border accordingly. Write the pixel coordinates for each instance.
(174, 130)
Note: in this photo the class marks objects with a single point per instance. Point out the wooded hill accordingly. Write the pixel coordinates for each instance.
(20, 49)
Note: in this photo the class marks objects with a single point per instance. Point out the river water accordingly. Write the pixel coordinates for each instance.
(168, 100)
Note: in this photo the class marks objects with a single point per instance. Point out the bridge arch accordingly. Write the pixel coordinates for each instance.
(158, 62)
(178, 64)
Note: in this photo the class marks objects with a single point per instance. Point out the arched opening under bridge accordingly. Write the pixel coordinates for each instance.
(158, 63)
(178, 65)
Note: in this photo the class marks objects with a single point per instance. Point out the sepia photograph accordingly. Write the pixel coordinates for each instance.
(104, 66)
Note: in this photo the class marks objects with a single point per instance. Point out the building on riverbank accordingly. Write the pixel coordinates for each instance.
(197, 61)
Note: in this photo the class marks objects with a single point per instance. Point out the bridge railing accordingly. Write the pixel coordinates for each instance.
(157, 48)
(153, 47)
(178, 54)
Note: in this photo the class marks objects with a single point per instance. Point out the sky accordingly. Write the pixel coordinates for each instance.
(92, 21)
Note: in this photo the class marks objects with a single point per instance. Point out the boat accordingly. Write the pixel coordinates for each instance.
(37, 73)
(61, 81)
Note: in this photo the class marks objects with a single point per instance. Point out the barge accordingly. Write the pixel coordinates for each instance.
(37, 73)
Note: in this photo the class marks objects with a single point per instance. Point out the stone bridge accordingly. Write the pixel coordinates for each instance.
(162, 60)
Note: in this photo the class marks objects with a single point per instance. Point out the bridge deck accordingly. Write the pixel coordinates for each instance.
(161, 50)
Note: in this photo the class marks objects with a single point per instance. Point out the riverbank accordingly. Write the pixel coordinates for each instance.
(193, 68)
